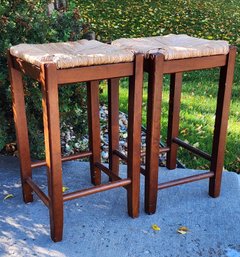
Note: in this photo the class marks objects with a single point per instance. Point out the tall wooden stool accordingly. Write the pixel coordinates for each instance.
(175, 54)
(55, 64)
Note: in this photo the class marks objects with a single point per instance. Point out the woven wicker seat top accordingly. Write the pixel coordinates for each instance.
(174, 46)
(72, 54)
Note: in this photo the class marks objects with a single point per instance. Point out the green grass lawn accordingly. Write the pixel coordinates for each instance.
(213, 19)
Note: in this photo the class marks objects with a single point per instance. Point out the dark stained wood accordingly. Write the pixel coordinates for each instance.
(96, 189)
(94, 130)
(38, 191)
(113, 123)
(173, 118)
(97, 72)
(53, 149)
(108, 172)
(125, 158)
(164, 150)
(76, 156)
(50, 79)
(191, 64)
(221, 122)
(154, 103)
(21, 129)
(64, 159)
(192, 149)
(80, 74)
(120, 155)
(185, 180)
(27, 68)
(161, 150)
(134, 135)
(156, 66)
(175, 68)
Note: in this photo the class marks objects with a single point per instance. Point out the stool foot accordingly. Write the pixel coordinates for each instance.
(214, 191)
(56, 225)
(27, 196)
(215, 184)
(151, 209)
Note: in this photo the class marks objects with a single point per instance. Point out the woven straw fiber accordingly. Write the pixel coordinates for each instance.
(174, 46)
(72, 54)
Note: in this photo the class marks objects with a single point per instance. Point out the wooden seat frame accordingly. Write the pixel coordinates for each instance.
(156, 67)
(50, 79)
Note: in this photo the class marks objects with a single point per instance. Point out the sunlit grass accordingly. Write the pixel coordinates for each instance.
(212, 19)
(218, 19)
(198, 104)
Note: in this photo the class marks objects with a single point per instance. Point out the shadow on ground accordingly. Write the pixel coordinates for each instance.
(98, 225)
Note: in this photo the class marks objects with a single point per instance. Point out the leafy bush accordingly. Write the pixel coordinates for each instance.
(30, 22)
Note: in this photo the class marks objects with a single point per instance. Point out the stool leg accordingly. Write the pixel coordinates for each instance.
(113, 123)
(153, 132)
(94, 130)
(53, 150)
(134, 136)
(21, 130)
(221, 122)
(173, 118)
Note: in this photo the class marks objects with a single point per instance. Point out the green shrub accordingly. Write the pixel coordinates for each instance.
(29, 21)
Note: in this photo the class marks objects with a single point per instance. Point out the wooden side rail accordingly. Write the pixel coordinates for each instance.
(98, 72)
(185, 180)
(83, 74)
(161, 150)
(38, 191)
(124, 158)
(190, 64)
(109, 172)
(192, 149)
(80, 74)
(26, 68)
(64, 159)
(120, 155)
(118, 182)
(96, 189)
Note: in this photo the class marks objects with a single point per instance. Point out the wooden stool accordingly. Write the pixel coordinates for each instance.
(56, 64)
(175, 54)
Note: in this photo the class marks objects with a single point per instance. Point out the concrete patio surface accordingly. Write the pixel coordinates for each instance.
(98, 225)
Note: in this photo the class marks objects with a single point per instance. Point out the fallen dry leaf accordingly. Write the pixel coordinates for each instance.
(8, 196)
(183, 230)
(64, 189)
(156, 227)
